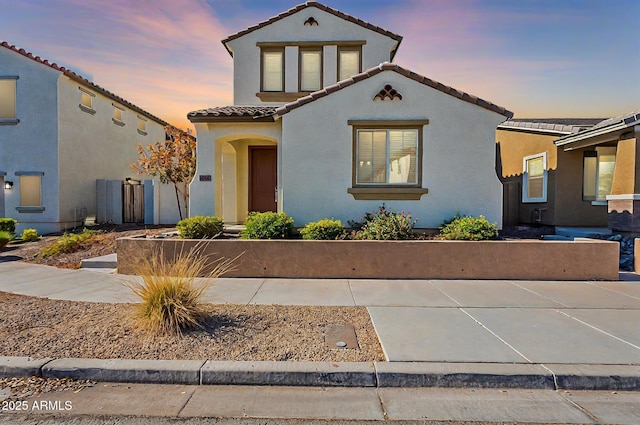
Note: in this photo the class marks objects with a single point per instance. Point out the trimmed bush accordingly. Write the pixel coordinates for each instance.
(5, 238)
(267, 225)
(325, 229)
(200, 227)
(464, 227)
(69, 242)
(170, 296)
(30, 235)
(385, 224)
(8, 225)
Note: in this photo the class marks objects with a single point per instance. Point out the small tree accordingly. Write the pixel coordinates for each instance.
(172, 161)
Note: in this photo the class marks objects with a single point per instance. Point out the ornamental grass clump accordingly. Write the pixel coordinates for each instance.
(169, 293)
(70, 242)
(267, 225)
(464, 227)
(325, 229)
(385, 224)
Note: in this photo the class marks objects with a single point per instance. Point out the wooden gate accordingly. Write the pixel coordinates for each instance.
(133, 202)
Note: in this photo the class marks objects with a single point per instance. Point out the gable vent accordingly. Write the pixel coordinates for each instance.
(311, 22)
(388, 92)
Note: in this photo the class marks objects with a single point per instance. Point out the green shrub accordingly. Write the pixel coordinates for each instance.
(30, 235)
(385, 224)
(464, 227)
(200, 227)
(170, 296)
(267, 225)
(5, 237)
(325, 229)
(8, 225)
(69, 242)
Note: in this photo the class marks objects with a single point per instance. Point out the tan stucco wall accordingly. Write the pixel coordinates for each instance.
(577, 260)
(570, 209)
(624, 177)
(515, 145)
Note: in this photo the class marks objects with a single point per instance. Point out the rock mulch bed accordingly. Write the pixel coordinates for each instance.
(40, 327)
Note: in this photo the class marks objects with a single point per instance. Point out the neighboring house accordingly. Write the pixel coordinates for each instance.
(571, 172)
(59, 133)
(324, 126)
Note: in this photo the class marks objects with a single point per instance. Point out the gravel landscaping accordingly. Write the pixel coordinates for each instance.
(40, 327)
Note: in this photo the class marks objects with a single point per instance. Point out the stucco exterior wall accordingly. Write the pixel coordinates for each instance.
(564, 206)
(246, 54)
(220, 144)
(93, 147)
(31, 144)
(458, 165)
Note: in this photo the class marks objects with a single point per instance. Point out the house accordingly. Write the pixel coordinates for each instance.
(59, 133)
(323, 125)
(571, 172)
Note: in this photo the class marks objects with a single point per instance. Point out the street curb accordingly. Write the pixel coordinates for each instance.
(463, 375)
(21, 366)
(122, 370)
(332, 374)
(309, 374)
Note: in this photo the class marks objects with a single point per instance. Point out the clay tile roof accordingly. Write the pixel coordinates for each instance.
(553, 126)
(233, 113)
(324, 8)
(80, 79)
(402, 71)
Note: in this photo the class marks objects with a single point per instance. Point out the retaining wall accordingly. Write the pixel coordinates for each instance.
(580, 259)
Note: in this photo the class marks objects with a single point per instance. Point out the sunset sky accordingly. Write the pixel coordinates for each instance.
(538, 58)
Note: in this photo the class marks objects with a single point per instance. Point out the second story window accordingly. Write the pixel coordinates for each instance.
(310, 70)
(86, 101)
(273, 70)
(142, 126)
(7, 98)
(348, 62)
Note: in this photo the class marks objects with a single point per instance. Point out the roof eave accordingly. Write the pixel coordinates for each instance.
(533, 130)
(600, 134)
(228, 119)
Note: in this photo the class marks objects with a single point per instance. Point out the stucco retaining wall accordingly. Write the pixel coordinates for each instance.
(544, 260)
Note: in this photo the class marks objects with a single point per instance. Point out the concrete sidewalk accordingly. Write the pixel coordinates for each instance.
(563, 334)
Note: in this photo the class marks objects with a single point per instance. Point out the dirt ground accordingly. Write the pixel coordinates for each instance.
(102, 244)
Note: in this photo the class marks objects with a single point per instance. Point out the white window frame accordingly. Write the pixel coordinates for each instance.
(525, 178)
(600, 150)
(11, 119)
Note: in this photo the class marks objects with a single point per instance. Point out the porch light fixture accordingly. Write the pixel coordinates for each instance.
(8, 185)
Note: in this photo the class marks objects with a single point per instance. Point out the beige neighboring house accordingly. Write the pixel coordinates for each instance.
(571, 172)
(59, 133)
(323, 125)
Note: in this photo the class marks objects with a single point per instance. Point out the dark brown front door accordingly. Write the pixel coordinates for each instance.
(263, 178)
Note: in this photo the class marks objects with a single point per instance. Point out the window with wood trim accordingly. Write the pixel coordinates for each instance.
(534, 177)
(272, 70)
(349, 62)
(387, 156)
(8, 98)
(310, 64)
